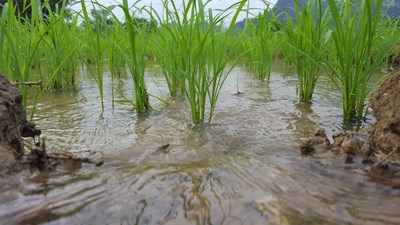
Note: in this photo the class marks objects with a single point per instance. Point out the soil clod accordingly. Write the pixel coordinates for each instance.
(162, 149)
(380, 147)
(385, 133)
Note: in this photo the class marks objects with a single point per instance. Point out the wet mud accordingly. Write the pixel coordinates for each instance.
(378, 145)
(13, 127)
(18, 160)
(385, 102)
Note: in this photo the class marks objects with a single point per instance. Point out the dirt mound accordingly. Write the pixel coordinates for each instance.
(380, 147)
(345, 143)
(385, 134)
(13, 126)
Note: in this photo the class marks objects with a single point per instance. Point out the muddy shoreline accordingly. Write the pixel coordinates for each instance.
(13, 126)
(378, 146)
(17, 160)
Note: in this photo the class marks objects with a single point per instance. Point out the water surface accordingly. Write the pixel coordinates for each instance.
(243, 168)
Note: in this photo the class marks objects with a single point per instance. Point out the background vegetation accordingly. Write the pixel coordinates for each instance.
(196, 48)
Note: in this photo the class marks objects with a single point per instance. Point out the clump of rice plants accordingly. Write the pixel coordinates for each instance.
(360, 49)
(307, 34)
(162, 46)
(115, 57)
(59, 44)
(135, 54)
(258, 40)
(169, 45)
(195, 57)
(24, 44)
(19, 43)
(93, 45)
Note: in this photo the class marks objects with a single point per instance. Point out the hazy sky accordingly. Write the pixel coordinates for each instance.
(157, 5)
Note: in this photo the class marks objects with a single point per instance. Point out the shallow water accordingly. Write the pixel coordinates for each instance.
(243, 168)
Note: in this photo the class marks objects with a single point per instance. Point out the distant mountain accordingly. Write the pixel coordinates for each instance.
(283, 7)
(241, 24)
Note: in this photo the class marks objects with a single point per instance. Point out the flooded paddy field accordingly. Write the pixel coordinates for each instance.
(243, 168)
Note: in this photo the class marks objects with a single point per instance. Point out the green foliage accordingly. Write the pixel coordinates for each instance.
(57, 46)
(195, 49)
(307, 34)
(360, 49)
(23, 7)
(191, 50)
(259, 42)
(92, 47)
(19, 43)
(135, 60)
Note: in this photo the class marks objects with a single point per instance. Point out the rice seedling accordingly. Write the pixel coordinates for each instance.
(94, 46)
(199, 46)
(137, 42)
(116, 59)
(19, 41)
(161, 46)
(259, 43)
(307, 34)
(166, 46)
(360, 49)
(58, 45)
(52, 76)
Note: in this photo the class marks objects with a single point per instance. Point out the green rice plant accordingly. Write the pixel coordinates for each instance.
(20, 39)
(259, 43)
(93, 46)
(199, 48)
(168, 46)
(285, 51)
(360, 49)
(21, 45)
(135, 59)
(220, 62)
(58, 44)
(162, 47)
(116, 59)
(51, 77)
(307, 34)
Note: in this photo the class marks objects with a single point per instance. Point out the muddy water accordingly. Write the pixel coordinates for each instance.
(244, 168)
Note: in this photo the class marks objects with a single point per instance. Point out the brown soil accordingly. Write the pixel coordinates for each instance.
(346, 143)
(15, 163)
(380, 147)
(13, 126)
(385, 134)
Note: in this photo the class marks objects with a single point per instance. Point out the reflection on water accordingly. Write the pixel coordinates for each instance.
(244, 168)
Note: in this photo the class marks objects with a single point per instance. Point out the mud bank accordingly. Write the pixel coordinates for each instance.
(13, 126)
(385, 134)
(16, 160)
(379, 146)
